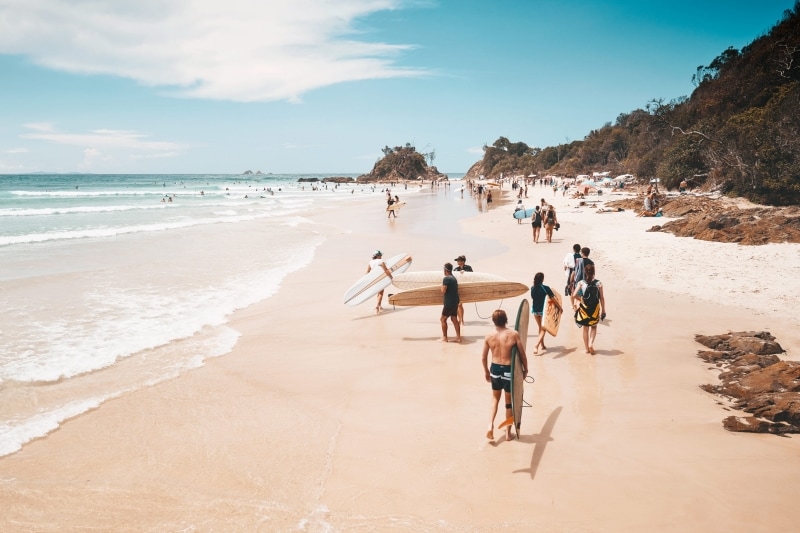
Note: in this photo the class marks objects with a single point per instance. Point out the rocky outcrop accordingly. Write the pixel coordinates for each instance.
(334, 179)
(754, 380)
(723, 219)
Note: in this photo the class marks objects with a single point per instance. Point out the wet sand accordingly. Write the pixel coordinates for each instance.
(332, 418)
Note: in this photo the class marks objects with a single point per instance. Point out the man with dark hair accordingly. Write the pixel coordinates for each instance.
(500, 342)
(580, 263)
(569, 266)
(461, 261)
(451, 301)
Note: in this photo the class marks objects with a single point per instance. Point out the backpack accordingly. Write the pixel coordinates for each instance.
(537, 218)
(591, 295)
(588, 312)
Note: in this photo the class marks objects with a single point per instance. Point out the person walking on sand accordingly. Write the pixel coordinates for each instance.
(580, 264)
(377, 262)
(569, 266)
(520, 207)
(536, 223)
(461, 261)
(550, 221)
(539, 293)
(589, 304)
(450, 301)
(500, 342)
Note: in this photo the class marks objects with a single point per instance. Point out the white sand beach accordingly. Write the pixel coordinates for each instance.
(332, 418)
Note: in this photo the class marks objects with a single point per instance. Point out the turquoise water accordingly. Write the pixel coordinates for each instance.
(111, 283)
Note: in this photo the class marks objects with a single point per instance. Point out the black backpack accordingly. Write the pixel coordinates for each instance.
(591, 296)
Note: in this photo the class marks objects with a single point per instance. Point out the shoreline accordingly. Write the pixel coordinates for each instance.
(325, 417)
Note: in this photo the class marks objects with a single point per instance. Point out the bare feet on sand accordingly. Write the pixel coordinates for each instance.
(490, 434)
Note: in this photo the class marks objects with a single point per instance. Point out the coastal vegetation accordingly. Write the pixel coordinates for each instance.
(738, 132)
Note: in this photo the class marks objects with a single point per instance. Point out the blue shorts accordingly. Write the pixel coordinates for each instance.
(501, 377)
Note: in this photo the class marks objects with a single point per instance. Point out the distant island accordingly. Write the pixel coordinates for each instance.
(250, 172)
(403, 163)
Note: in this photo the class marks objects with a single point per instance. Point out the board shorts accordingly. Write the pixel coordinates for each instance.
(501, 377)
(450, 310)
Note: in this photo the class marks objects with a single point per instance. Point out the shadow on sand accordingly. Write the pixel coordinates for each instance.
(540, 441)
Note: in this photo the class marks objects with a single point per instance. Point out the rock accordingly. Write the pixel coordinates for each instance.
(756, 380)
(722, 219)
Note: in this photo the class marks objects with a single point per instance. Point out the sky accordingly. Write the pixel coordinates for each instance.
(321, 86)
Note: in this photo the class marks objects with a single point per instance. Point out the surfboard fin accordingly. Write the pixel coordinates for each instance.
(507, 422)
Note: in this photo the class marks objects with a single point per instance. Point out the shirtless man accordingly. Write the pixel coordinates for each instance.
(500, 343)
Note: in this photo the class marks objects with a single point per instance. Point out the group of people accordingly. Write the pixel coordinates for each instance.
(586, 298)
(585, 292)
(545, 215)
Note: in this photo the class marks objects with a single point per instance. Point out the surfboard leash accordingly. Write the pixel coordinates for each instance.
(485, 317)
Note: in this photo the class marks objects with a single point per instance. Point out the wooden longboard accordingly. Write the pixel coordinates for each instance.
(375, 280)
(430, 278)
(517, 379)
(552, 316)
(479, 291)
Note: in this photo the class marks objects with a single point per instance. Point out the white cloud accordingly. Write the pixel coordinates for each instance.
(233, 50)
(476, 150)
(129, 140)
(90, 158)
(16, 151)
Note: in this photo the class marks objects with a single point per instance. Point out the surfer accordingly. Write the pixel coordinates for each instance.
(451, 301)
(462, 267)
(539, 292)
(377, 262)
(500, 342)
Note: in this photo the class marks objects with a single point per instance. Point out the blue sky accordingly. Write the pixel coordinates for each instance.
(320, 86)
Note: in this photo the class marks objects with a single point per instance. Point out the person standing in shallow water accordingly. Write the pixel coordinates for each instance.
(450, 301)
(500, 342)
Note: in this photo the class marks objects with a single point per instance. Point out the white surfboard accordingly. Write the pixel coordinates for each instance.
(376, 280)
(428, 278)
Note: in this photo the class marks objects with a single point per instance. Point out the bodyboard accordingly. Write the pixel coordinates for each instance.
(376, 280)
(552, 316)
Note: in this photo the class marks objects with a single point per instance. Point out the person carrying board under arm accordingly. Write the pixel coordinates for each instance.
(500, 343)
(377, 262)
(451, 301)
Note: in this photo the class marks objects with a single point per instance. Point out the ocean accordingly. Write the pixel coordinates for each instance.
(111, 283)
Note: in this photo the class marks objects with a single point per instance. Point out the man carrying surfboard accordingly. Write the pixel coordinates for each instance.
(500, 343)
(451, 301)
(377, 262)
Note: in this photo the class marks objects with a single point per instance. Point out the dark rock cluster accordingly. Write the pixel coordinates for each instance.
(755, 380)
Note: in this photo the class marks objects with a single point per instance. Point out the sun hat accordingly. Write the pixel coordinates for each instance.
(460, 258)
